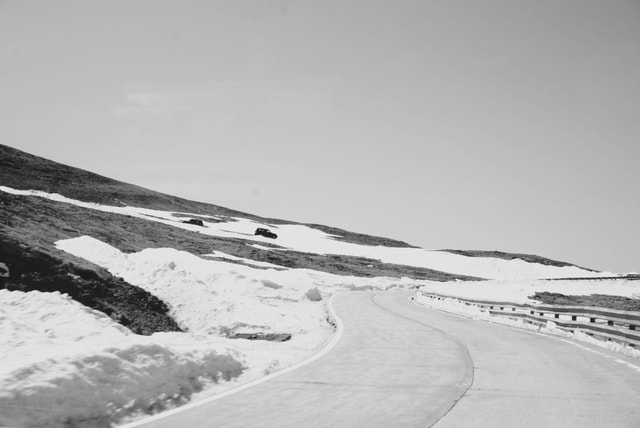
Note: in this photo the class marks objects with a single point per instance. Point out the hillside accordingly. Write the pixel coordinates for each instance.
(137, 301)
(29, 227)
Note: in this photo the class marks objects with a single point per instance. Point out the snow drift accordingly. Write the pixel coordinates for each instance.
(69, 364)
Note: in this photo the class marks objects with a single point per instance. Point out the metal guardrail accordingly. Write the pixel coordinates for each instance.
(608, 324)
(627, 277)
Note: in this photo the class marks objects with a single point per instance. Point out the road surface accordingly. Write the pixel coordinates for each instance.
(401, 365)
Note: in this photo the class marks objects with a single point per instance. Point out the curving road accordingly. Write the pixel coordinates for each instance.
(401, 365)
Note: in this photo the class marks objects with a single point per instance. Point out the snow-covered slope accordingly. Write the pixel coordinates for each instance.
(66, 363)
(306, 239)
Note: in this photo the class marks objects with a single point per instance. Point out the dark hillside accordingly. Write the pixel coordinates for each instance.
(21, 170)
(620, 303)
(133, 307)
(24, 171)
(530, 258)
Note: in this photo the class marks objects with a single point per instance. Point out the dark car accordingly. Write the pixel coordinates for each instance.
(195, 221)
(265, 232)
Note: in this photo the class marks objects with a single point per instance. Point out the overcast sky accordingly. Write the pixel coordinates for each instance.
(508, 125)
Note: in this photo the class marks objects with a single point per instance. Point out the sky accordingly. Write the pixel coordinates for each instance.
(509, 125)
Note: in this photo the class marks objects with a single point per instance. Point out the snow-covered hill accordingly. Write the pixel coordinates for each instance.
(305, 239)
(113, 305)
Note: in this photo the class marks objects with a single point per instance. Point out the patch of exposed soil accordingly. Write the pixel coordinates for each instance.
(272, 337)
(360, 238)
(596, 300)
(530, 258)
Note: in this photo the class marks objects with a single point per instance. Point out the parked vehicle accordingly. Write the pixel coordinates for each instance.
(195, 221)
(265, 232)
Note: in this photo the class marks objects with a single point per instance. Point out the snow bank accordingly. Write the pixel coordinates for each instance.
(519, 291)
(216, 297)
(306, 239)
(67, 365)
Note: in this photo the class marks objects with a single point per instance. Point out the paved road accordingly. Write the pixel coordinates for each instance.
(400, 365)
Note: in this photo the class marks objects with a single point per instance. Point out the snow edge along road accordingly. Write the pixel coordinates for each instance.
(326, 349)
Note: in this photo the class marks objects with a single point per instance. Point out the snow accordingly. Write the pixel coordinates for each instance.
(70, 363)
(217, 297)
(306, 239)
(519, 291)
